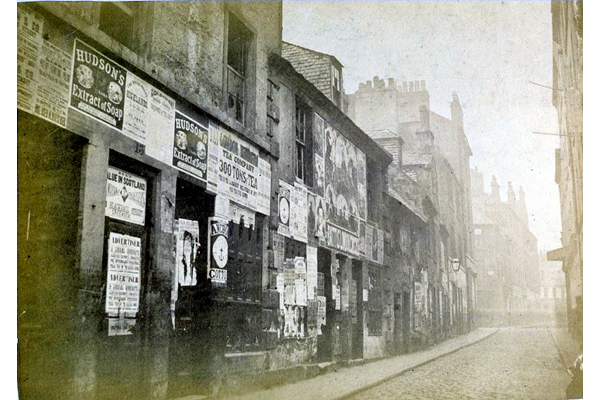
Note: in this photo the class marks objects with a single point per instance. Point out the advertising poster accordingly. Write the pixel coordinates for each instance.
(218, 229)
(280, 289)
(293, 322)
(337, 238)
(284, 202)
(234, 170)
(278, 250)
(311, 318)
(318, 154)
(345, 177)
(98, 85)
(320, 284)
(187, 246)
(298, 218)
(125, 196)
(289, 282)
(311, 271)
(190, 147)
(300, 292)
(149, 116)
(29, 42)
(321, 316)
(241, 215)
(316, 219)
(43, 71)
(120, 326)
(418, 296)
(123, 275)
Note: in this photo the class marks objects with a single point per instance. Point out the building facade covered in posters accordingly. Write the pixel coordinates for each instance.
(144, 169)
(567, 61)
(194, 210)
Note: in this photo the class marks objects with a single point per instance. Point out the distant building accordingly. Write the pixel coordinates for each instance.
(567, 60)
(433, 151)
(505, 253)
(553, 293)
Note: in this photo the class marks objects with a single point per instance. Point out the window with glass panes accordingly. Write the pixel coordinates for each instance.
(300, 141)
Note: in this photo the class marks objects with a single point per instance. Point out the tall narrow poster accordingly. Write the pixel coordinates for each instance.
(187, 246)
(298, 213)
(219, 250)
(123, 275)
(284, 202)
(311, 272)
(190, 146)
(98, 85)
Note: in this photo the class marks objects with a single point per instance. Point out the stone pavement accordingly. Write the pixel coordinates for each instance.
(348, 381)
(567, 346)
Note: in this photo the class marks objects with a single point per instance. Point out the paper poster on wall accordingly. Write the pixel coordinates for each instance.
(125, 196)
(98, 85)
(190, 146)
(280, 289)
(318, 155)
(43, 71)
(121, 326)
(123, 275)
(300, 292)
(316, 219)
(236, 171)
(278, 250)
(311, 271)
(321, 314)
(345, 178)
(293, 321)
(218, 229)
(149, 117)
(320, 284)
(418, 296)
(339, 239)
(298, 218)
(284, 211)
(187, 246)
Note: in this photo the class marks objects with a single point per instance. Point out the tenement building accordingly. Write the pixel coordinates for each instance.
(197, 213)
(144, 181)
(432, 151)
(567, 97)
(506, 254)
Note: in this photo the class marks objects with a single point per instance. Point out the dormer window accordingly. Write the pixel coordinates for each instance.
(336, 86)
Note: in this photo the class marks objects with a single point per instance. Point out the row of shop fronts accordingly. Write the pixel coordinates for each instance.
(164, 251)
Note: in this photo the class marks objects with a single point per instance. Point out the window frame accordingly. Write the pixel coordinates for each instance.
(134, 11)
(235, 81)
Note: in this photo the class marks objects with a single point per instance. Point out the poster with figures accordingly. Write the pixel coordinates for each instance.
(345, 178)
(316, 219)
(187, 246)
(311, 271)
(298, 218)
(318, 154)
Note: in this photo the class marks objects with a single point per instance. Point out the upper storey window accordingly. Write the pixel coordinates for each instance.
(239, 40)
(119, 21)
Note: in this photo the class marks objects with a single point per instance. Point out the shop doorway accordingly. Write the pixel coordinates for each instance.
(190, 353)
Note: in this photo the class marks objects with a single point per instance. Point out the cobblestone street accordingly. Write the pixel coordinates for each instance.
(515, 363)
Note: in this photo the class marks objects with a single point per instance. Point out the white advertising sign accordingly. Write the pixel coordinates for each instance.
(123, 274)
(125, 196)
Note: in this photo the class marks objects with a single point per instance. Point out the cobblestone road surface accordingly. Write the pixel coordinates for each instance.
(515, 363)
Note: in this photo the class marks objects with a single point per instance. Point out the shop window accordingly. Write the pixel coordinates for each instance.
(119, 21)
(239, 40)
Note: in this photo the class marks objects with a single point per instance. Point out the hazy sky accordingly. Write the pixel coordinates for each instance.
(486, 51)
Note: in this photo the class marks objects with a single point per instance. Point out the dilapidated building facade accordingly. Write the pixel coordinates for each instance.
(196, 209)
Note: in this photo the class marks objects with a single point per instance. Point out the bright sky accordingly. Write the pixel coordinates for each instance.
(486, 51)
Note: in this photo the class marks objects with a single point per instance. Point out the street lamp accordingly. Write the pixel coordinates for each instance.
(455, 264)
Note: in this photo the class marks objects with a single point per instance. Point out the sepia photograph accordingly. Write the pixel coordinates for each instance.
(300, 200)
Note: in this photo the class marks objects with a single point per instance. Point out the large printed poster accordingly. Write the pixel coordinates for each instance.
(345, 173)
(98, 85)
(236, 172)
(43, 71)
(190, 147)
(218, 230)
(187, 246)
(125, 196)
(149, 115)
(123, 274)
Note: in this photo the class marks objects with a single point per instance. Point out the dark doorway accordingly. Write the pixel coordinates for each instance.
(405, 320)
(324, 340)
(357, 310)
(190, 352)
